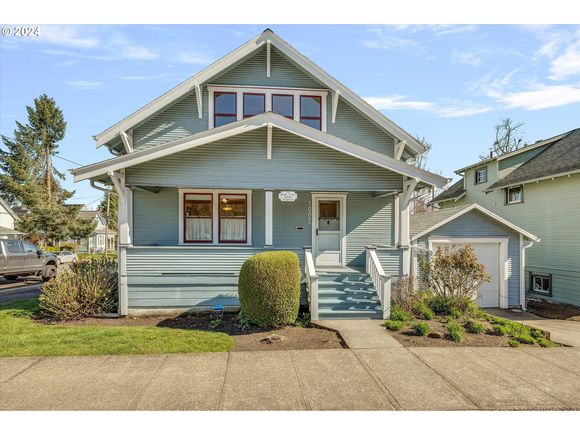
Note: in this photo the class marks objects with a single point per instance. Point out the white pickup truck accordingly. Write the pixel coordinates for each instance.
(21, 258)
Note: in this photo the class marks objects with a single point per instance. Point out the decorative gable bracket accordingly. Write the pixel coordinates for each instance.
(399, 148)
(127, 141)
(335, 96)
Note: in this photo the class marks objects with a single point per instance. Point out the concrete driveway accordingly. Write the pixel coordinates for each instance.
(333, 379)
(22, 288)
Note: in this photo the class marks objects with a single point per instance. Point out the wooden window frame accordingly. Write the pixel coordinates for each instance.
(543, 276)
(216, 114)
(291, 99)
(507, 195)
(184, 218)
(219, 217)
(318, 118)
(263, 95)
(476, 171)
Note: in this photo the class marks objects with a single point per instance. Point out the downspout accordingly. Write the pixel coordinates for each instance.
(102, 189)
(523, 248)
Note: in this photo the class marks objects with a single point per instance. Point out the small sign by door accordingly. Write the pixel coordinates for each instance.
(287, 196)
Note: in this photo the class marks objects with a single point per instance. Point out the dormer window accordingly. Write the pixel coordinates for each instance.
(481, 175)
(225, 108)
(234, 103)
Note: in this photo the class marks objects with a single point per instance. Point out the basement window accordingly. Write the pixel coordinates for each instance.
(541, 284)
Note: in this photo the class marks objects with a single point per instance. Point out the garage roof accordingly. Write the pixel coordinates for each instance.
(424, 223)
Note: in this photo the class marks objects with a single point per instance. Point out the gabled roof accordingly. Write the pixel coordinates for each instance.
(239, 54)
(253, 123)
(9, 231)
(560, 158)
(455, 192)
(8, 209)
(424, 223)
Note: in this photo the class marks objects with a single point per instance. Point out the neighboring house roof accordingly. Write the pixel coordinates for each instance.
(88, 214)
(454, 192)
(9, 231)
(20, 211)
(266, 37)
(560, 158)
(9, 210)
(102, 231)
(424, 223)
(253, 123)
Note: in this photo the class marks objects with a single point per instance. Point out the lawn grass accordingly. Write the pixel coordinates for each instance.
(20, 335)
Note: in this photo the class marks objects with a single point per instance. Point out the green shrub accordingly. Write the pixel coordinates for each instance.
(269, 288)
(86, 289)
(474, 327)
(422, 311)
(455, 307)
(454, 312)
(514, 343)
(537, 334)
(397, 313)
(242, 322)
(544, 342)
(394, 325)
(455, 331)
(303, 321)
(213, 324)
(420, 328)
(499, 330)
(439, 305)
(524, 338)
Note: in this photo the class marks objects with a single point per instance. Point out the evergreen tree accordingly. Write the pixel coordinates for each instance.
(113, 210)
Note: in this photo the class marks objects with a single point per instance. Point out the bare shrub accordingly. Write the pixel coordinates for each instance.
(89, 288)
(454, 272)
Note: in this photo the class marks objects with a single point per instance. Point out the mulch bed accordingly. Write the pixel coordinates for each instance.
(552, 310)
(437, 338)
(251, 339)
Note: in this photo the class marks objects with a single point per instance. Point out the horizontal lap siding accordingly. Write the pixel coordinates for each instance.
(182, 277)
(391, 260)
(369, 221)
(241, 161)
(565, 286)
(475, 224)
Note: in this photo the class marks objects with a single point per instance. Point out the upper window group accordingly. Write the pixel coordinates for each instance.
(227, 108)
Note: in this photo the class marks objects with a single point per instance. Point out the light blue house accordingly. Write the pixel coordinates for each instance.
(262, 150)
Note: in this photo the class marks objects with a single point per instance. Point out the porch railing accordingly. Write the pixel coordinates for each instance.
(381, 280)
(311, 282)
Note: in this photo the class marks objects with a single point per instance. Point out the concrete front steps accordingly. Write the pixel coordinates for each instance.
(347, 295)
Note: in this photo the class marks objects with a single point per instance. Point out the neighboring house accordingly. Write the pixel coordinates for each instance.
(7, 219)
(95, 243)
(263, 150)
(536, 187)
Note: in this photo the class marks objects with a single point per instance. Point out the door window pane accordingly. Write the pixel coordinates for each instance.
(13, 246)
(233, 213)
(283, 105)
(198, 211)
(311, 111)
(224, 108)
(254, 104)
(328, 216)
(29, 248)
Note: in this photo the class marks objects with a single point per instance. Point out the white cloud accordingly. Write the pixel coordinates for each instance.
(148, 77)
(539, 96)
(386, 42)
(85, 84)
(566, 65)
(452, 29)
(193, 58)
(466, 57)
(443, 109)
(67, 36)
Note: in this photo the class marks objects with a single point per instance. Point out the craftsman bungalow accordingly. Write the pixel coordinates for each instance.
(262, 150)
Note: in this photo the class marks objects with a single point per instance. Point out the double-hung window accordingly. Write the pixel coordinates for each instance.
(233, 218)
(225, 108)
(311, 111)
(283, 105)
(481, 175)
(198, 217)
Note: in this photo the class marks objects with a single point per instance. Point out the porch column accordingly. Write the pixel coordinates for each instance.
(404, 219)
(269, 205)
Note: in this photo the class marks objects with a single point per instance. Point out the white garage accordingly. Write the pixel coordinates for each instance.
(499, 246)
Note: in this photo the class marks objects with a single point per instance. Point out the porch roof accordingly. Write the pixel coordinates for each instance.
(99, 169)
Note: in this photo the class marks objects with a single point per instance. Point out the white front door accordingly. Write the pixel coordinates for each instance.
(328, 226)
(488, 255)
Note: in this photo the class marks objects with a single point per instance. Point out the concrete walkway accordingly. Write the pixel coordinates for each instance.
(565, 332)
(362, 333)
(333, 379)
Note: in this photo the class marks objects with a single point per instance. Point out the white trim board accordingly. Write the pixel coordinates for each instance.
(253, 123)
(484, 211)
(239, 54)
(316, 197)
(503, 256)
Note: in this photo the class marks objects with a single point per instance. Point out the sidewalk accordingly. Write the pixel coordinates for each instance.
(332, 379)
(565, 332)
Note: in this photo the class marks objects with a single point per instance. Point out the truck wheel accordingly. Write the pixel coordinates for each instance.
(11, 277)
(49, 272)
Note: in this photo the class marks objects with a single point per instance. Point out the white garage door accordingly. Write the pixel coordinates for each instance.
(488, 255)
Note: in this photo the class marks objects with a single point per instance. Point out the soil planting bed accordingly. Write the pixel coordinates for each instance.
(554, 311)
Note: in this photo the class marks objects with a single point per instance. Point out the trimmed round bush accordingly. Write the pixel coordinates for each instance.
(269, 288)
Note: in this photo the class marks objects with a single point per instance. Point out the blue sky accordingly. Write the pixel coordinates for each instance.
(449, 83)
